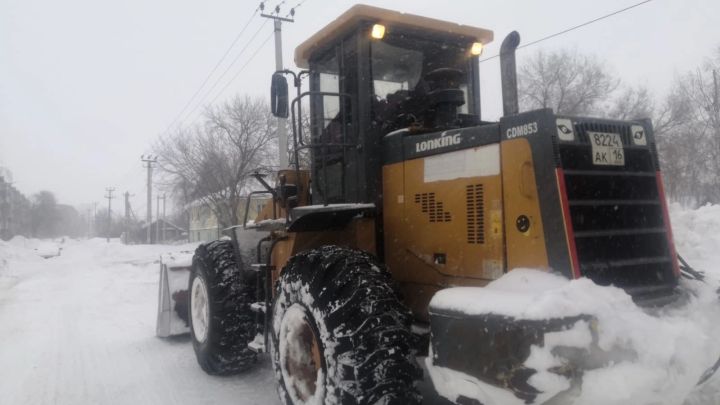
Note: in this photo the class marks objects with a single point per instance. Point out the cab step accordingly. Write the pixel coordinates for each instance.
(258, 344)
(258, 307)
(258, 267)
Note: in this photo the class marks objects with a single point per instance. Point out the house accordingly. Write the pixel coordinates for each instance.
(167, 232)
(14, 208)
(204, 224)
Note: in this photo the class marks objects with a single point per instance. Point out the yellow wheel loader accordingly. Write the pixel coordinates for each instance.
(408, 194)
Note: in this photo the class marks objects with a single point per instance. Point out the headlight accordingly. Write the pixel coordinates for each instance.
(378, 31)
(477, 48)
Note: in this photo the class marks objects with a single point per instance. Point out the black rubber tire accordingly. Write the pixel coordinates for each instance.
(231, 290)
(358, 314)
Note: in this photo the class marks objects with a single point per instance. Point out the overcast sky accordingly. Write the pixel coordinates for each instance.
(86, 85)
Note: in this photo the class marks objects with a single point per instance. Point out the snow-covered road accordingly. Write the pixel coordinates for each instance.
(80, 329)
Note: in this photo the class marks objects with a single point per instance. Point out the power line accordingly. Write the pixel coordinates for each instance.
(261, 7)
(573, 28)
(217, 65)
(293, 8)
(276, 9)
(242, 68)
(202, 99)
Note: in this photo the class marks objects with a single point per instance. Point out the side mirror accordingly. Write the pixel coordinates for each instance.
(279, 96)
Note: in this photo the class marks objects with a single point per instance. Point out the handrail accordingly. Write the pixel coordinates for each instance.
(299, 144)
(296, 122)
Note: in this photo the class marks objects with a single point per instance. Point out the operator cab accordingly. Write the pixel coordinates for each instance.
(373, 71)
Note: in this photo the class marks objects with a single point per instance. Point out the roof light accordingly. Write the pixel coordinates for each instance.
(378, 31)
(477, 48)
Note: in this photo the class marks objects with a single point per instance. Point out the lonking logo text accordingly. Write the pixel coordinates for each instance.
(443, 141)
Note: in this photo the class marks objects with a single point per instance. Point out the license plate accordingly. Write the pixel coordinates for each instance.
(607, 149)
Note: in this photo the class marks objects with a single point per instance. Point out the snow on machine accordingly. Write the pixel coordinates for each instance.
(345, 276)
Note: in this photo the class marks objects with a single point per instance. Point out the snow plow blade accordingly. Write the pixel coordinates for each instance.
(172, 318)
(486, 357)
(491, 350)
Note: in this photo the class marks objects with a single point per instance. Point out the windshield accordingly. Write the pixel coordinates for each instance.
(402, 68)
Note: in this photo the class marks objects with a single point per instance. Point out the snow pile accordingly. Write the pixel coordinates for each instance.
(657, 355)
(530, 294)
(98, 249)
(21, 241)
(696, 236)
(18, 249)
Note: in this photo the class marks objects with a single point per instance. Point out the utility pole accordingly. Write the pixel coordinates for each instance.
(157, 220)
(89, 222)
(109, 197)
(716, 98)
(127, 217)
(163, 217)
(94, 219)
(282, 128)
(148, 161)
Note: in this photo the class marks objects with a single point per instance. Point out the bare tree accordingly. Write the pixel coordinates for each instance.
(211, 163)
(688, 134)
(632, 103)
(576, 84)
(566, 81)
(45, 216)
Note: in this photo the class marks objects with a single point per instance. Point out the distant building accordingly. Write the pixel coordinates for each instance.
(204, 224)
(14, 208)
(168, 232)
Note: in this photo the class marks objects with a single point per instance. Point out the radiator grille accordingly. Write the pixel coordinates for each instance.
(475, 213)
(432, 207)
(616, 213)
(582, 128)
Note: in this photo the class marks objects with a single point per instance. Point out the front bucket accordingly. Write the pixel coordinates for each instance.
(172, 318)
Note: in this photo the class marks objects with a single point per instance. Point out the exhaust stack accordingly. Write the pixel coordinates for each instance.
(508, 73)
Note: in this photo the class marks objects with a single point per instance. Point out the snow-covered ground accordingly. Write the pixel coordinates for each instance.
(80, 328)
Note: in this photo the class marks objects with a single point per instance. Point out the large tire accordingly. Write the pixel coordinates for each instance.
(221, 329)
(340, 333)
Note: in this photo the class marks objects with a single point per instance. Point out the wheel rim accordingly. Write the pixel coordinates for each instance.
(199, 309)
(300, 359)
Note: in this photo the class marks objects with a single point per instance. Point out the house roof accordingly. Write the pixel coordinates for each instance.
(167, 224)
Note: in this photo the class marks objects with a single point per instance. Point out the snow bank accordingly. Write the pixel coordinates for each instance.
(18, 249)
(659, 354)
(696, 235)
(21, 241)
(25, 250)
